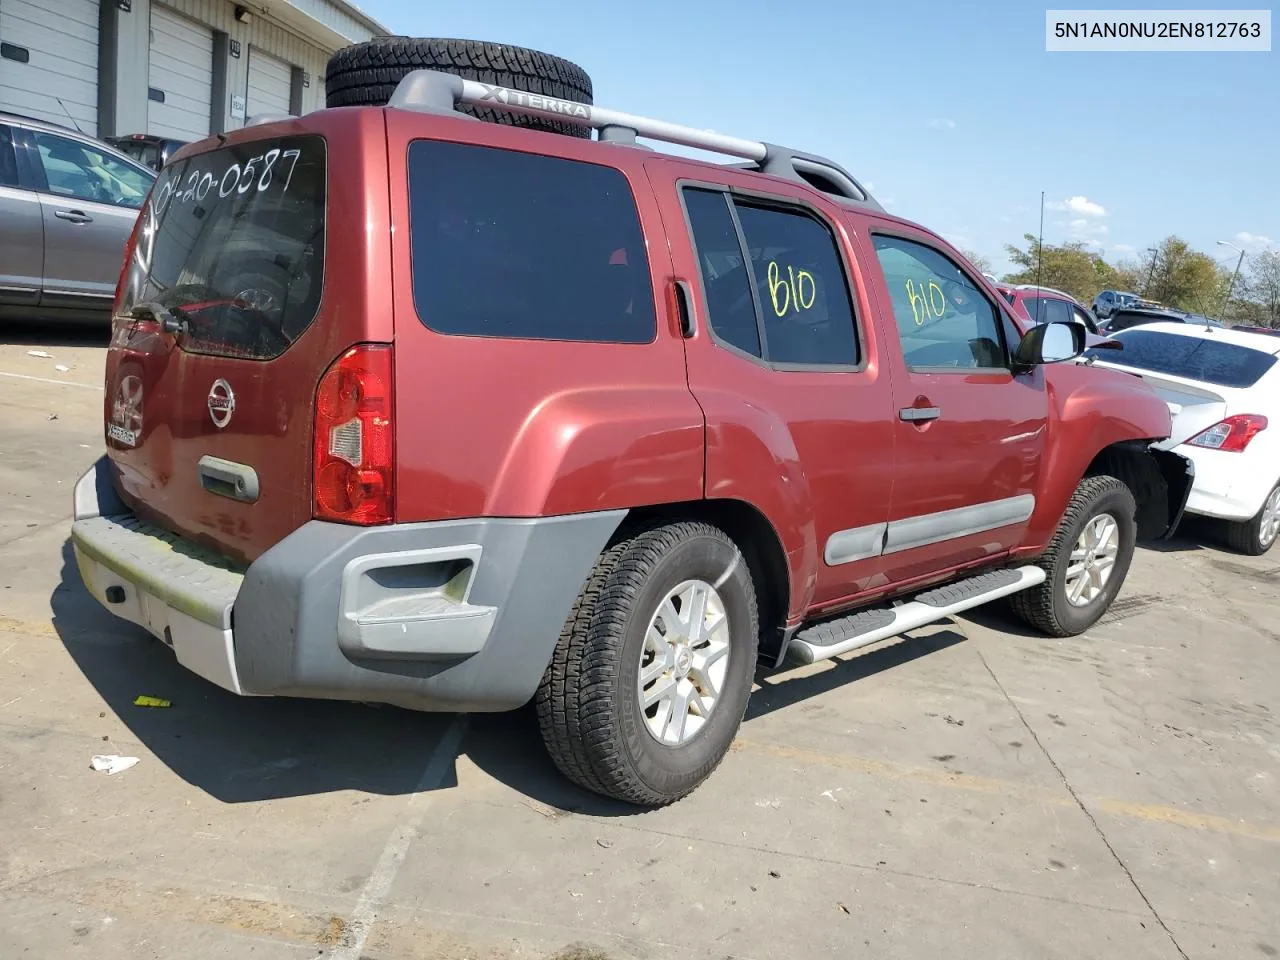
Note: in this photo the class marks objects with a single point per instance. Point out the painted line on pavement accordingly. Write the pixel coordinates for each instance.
(376, 888)
(60, 383)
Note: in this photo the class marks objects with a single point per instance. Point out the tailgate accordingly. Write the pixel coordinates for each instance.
(209, 406)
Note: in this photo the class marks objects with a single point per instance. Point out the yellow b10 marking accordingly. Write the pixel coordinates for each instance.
(928, 302)
(792, 291)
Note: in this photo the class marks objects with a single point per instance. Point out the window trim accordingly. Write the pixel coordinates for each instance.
(1002, 315)
(791, 205)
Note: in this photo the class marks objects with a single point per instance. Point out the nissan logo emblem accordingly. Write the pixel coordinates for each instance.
(222, 403)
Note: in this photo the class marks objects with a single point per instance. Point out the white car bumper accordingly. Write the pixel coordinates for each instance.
(1227, 485)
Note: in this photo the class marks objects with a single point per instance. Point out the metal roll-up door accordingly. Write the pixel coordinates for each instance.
(180, 77)
(49, 53)
(270, 81)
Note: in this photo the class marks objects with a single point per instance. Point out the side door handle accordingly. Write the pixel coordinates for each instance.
(919, 414)
(75, 216)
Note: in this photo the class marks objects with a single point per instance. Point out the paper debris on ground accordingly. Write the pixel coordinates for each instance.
(40, 353)
(61, 367)
(142, 700)
(112, 763)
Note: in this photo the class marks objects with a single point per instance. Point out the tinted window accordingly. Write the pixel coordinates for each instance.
(233, 241)
(1124, 319)
(510, 244)
(725, 279)
(8, 159)
(1196, 358)
(1055, 311)
(943, 319)
(79, 171)
(1034, 308)
(800, 285)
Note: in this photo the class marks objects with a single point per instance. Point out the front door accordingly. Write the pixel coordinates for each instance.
(969, 433)
(21, 231)
(89, 202)
(797, 406)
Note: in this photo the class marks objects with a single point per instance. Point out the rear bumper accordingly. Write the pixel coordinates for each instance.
(1226, 486)
(457, 615)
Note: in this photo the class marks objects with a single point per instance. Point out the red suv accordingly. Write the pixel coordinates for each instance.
(410, 408)
(1047, 305)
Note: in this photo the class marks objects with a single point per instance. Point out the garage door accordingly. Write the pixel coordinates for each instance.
(270, 81)
(180, 77)
(49, 52)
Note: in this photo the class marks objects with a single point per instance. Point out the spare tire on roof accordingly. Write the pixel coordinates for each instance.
(366, 74)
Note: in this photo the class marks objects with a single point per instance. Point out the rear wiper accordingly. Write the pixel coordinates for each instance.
(172, 321)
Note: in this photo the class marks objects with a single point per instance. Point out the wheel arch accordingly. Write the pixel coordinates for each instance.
(761, 548)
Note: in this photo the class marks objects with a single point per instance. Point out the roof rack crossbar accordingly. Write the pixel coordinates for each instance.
(431, 91)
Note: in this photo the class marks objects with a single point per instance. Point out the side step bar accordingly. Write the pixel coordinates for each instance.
(831, 638)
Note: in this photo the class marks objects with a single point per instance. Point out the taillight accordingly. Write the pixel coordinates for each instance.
(354, 453)
(1232, 434)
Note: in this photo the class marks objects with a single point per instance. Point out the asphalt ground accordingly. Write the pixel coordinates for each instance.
(971, 790)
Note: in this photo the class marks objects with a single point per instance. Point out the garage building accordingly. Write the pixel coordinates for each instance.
(182, 68)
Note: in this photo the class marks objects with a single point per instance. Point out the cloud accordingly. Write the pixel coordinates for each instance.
(887, 201)
(942, 123)
(1080, 206)
(870, 186)
(1083, 230)
(1123, 248)
(1252, 241)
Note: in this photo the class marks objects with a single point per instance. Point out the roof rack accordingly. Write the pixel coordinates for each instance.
(430, 91)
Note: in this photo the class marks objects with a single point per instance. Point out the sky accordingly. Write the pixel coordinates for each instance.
(953, 114)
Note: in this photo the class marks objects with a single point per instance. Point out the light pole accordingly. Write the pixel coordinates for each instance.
(1231, 286)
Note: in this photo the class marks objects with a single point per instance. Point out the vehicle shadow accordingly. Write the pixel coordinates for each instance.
(238, 749)
(59, 333)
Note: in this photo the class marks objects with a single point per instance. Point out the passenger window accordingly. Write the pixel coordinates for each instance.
(8, 159)
(521, 246)
(78, 171)
(801, 311)
(943, 320)
(725, 276)
(1056, 311)
(801, 287)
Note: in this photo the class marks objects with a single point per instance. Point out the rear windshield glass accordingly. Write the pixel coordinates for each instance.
(232, 243)
(518, 245)
(1195, 358)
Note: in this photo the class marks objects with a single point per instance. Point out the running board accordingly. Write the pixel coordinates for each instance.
(831, 638)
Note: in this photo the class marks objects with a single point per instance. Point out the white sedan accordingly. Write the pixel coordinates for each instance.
(1223, 390)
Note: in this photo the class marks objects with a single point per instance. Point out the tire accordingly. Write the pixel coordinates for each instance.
(588, 704)
(1258, 534)
(366, 74)
(1047, 606)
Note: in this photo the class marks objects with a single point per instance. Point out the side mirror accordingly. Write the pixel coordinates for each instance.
(1051, 343)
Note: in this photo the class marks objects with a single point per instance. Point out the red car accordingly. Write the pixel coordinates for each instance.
(409, 408)
(1047, 305)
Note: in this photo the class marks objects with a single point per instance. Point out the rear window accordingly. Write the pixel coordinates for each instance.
(232, 242)
(1195, 358)
(517, 245)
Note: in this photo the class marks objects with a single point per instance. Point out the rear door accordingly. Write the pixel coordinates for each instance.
(210, 429)
(21, 231)
(784, 365)
(89, 202)
(969, 434)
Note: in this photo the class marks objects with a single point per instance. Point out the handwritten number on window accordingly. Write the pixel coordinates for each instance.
(796, 291)
(928, 302)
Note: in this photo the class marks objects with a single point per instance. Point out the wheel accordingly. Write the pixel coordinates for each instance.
(1086, 562)
(365, 74)
(651, 677)
(1257, 535)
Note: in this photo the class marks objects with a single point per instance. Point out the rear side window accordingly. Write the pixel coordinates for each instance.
(1195, 358)
(233, 242)
(774, 282)
(517, 245)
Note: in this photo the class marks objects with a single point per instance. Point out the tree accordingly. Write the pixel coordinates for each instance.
(1261, 288)
(978, 260)
(1071, 267)
(1177, 276)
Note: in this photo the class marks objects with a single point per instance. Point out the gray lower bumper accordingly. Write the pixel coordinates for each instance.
(455, 615)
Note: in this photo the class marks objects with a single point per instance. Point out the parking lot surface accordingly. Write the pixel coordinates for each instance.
(969, 791)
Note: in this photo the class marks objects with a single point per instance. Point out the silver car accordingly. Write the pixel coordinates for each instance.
(68, 203)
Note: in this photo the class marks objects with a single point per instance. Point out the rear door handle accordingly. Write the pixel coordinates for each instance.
(919, 414)
(75, 216)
